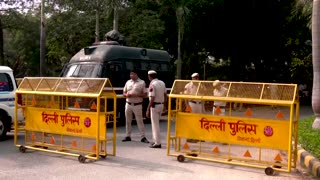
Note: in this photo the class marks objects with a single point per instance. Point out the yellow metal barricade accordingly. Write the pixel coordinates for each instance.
(68, 116)
(262, 133)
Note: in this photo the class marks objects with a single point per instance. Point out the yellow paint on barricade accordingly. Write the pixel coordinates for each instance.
(65, 122)
(67, 116)
(264, 136)
(242, 131)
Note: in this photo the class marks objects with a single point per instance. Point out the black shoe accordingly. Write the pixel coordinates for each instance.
(126, 139)
(155, 146)
(144, 140)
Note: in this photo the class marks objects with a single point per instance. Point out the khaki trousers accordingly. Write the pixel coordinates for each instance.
(137, 110)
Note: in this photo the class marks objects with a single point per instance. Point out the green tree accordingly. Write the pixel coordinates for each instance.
(145, 30)
(67, 33)
(6, 7)
(22, 43)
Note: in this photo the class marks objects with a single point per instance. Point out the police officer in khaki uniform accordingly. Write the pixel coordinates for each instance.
(191, 89)
(157, 99)
(219, 91)
(134, 91)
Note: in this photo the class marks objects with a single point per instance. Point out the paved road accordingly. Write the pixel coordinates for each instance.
(134, 160)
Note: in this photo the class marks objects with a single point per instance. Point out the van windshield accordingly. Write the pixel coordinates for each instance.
(82, 70)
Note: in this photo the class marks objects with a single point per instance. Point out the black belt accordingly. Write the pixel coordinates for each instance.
(195, 102)
(134, 104)
(157, 103)
(219, 106)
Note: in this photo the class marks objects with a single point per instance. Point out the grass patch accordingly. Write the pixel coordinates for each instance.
(309, 138)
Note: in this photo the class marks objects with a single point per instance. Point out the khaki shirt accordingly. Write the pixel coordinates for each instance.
(157, 89)
(135, 87)
(191, 88)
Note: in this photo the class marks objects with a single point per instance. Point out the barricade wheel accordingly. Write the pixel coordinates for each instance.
(81, 159)
(180, 158)
(22, 149)
(269, 171)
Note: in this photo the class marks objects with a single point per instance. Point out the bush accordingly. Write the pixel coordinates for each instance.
(309, 138)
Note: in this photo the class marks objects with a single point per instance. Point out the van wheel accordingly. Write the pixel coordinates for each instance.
(3, 127)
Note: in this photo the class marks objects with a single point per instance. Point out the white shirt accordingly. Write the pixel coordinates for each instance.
(220, 92)
(157, 89)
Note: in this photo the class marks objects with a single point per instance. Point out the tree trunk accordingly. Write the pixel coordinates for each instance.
(316, 62)
(115, 19)
(179, 63)
(1, 44)
(42, 42)
(97, 25)
(180, 14)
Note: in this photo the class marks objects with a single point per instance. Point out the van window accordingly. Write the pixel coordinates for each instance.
(164, 67)
(129, 65)
(155, 66)
(82, 70)
(145, 66)
(133, 65)
(5, 82)
(115, 74)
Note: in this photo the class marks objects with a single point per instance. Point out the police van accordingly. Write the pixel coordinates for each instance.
(8, 87)
(115, 62)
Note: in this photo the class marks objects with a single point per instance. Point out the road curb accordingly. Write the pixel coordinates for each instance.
(311, 163)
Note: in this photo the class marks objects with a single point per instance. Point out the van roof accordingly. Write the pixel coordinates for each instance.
(5, 69)
(116, 52)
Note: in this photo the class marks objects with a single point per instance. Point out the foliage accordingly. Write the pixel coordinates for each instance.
(303, 9)
(22, 43)
(309, 137)
(262, 33)
(15, 4)
(145, 30)
(301, 70)
(67, 33)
